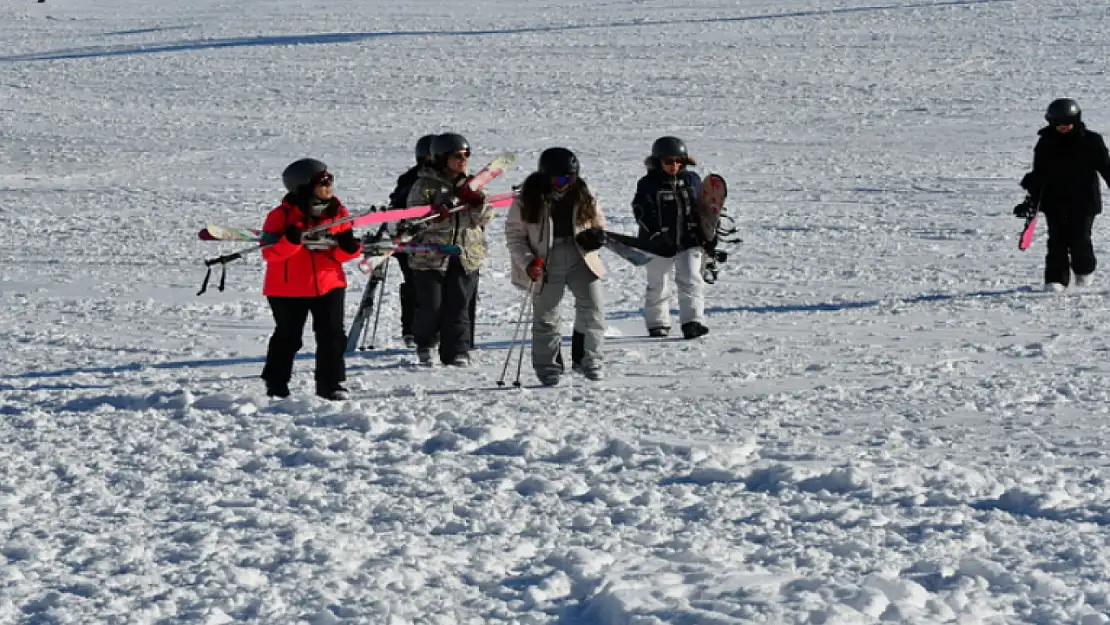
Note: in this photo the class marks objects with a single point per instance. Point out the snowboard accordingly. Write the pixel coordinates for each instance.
(711, 204)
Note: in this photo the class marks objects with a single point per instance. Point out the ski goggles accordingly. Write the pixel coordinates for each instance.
(323, 179)
(461, 154)
(562, 182)
(673, 160)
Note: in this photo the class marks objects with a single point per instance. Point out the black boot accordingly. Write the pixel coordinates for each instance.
(693, 330)
(335, 393)
(277, 389)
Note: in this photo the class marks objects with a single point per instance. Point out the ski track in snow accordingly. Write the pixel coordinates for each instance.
(888, 423)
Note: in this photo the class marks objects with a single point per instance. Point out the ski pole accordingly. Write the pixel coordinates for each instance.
(516, 332)
(381, 298)
(520, 354)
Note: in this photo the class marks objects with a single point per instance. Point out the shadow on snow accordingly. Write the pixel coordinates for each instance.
(835, 306)
(506, 344)
(340, 38)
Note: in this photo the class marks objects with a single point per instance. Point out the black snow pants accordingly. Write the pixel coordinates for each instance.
(290, 315)
(443, 305)
(1069, 247)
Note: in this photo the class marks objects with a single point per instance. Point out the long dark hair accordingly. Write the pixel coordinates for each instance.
(538, 184)
(305, 201)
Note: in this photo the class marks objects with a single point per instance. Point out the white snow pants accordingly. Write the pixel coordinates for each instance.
(663, 274)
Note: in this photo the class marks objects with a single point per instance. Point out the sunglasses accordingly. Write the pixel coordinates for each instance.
(323, 179)
(461, 154)
(674, 160)
(562, 182)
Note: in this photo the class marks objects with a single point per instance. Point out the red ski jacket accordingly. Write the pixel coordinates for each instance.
(294, 270)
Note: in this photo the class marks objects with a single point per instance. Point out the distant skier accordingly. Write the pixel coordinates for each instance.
(1067, 161)
(554, 207)
(399, 199)
(304, 274)
(446, 287)
(666, 207)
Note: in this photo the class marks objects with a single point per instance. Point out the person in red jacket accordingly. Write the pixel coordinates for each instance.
(304, 274)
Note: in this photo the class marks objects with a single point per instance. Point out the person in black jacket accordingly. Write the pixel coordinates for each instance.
(1067, 161)
(399, 199)
(666, 208)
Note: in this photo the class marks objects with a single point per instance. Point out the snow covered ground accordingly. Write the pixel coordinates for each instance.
(888, 422)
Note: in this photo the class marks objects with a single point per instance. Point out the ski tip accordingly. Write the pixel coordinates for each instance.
(205, 235)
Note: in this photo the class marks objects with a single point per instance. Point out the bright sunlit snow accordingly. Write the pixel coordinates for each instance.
(889, 422)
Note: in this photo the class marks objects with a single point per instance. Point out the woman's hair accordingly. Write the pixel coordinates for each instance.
(538, 184)
(305, 202)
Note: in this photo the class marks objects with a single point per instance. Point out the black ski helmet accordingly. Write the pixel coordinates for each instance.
(669, 146)
(1063, 111)
(558, 162)
(447, 143)
(299, 175)
(424, 148)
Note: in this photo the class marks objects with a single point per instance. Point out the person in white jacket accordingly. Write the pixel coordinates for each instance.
(554, 206)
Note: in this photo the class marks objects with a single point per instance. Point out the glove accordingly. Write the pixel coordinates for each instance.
(590, 240)
(470, 197)
(346, 241)
(442, 212)
(1026, 209)
(293, 234)
(535, 269)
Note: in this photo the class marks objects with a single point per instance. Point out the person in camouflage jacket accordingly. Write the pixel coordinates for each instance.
(447, 285)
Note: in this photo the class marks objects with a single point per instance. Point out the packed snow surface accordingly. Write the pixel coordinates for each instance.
(889, 421)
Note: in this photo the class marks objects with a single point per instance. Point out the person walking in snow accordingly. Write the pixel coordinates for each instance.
(553, 231)
(1067, 161)
(304, 275)
(399, 199)
(446, 286)
(666, 208)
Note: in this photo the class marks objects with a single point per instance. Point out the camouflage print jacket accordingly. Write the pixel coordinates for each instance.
(465, 228)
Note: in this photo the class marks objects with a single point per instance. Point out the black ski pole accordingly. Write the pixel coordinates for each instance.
(516, 331)
(381, 297)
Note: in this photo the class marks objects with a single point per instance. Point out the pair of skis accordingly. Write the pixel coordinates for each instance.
(375, 286)
(374, 215)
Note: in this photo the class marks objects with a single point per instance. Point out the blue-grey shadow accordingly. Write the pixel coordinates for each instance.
(834, 306)
(340, 38)
(506, 344)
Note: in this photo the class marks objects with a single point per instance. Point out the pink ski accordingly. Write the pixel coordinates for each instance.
(1027, 234)
(215, 232)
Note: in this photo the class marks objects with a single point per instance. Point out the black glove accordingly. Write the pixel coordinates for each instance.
(346, 241)
(293, 234)
(591, 239)
(1026, 209)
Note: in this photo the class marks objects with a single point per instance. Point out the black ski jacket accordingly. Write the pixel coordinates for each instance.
(1065, 172)
(666, 207)
(400, 196)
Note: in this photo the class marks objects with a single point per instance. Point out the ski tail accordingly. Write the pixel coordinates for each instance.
(635, 256)
(365, 309)
(495, 168)
(1026, 239)
(665, 250)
